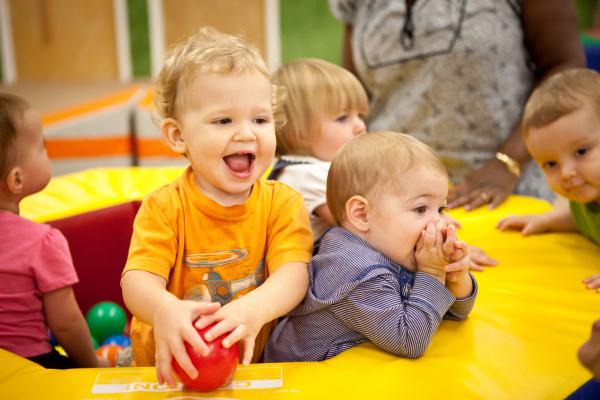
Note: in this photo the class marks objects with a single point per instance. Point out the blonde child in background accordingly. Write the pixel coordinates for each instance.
(219, 243)
(392, 269)
(36, 269)
(561, 128)
(324, 108)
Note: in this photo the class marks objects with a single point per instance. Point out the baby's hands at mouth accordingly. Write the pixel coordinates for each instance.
(429, 252)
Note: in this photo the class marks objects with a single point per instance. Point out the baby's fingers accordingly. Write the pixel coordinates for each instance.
(533, 227)
(220, 328)
(206, 320)
(441, 231)
(429, 235)
(592, 278)
(511, 222)
(202, 308)
(159, 356)
(196, 341)
(448, 245)
(420, 242)
(475, 267)
(529, 229)
(239, 333)
(248, 350)
(164, 373)
(182, 358)
(593, 282)
(479, 258)
(461, 249)
(456, 266)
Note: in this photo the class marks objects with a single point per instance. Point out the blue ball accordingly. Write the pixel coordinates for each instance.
(52, 339)
(119, 340)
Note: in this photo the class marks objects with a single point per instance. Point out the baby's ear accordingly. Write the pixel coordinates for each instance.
(357, 213)
(14, 180)
(171, 133)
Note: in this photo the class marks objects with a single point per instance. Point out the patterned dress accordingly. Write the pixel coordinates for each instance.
(453, 73)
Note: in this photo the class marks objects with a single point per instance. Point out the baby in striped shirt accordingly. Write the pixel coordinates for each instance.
(392, 268)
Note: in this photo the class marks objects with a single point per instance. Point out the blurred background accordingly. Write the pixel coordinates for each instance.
(87, 65)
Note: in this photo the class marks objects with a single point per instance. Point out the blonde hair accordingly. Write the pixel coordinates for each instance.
(207, 51)
(12, 109)
(314, 87)
(559, 95)
(373, 162)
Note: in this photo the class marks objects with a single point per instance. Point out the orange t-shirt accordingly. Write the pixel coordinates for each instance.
(209, 252)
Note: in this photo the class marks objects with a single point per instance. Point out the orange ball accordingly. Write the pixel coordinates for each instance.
(109, 352)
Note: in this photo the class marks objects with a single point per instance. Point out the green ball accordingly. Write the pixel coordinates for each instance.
(95, 343)
(105, 319)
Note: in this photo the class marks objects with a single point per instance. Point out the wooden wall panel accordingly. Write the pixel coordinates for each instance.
(241, 17)
(71, 40)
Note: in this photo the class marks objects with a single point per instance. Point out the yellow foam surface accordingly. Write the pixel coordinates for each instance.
(92, 189)
(520, 342)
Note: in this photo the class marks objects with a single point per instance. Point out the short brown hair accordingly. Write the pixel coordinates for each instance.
(208, 51)
(559, 95)
(371, 162)
(11, 117)
(314, 87)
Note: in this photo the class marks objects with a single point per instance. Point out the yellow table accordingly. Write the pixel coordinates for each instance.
(520, 341)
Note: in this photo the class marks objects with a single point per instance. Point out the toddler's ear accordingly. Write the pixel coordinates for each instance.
(14, 180)
(357, 214)
(171, 133)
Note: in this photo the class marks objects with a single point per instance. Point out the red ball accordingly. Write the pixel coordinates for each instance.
(215, 369)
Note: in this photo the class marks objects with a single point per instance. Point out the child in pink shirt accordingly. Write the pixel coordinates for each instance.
(36, 269)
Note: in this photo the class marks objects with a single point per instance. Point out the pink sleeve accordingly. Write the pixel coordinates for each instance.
(52, 264)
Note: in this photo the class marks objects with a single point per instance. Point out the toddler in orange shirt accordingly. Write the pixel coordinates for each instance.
(219, 244)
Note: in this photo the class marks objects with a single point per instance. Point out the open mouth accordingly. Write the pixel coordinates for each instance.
(240, 164)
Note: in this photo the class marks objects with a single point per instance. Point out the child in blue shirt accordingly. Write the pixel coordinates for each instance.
(392, 269)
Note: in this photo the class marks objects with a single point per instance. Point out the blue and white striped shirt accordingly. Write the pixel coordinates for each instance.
(357, 294)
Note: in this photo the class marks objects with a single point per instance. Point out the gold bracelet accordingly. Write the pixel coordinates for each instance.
(511, 163)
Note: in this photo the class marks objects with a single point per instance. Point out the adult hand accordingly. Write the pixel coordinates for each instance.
(491, 184)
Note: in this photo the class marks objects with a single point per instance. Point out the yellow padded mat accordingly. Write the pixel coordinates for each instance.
(520, 341)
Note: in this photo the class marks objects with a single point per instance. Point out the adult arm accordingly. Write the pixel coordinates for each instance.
(552, 39)
(347, 56)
